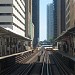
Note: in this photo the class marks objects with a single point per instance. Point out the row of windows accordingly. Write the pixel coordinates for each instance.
(20, 6)
(5, 23)
(67, 9)
(5, 4)
(68, 24)
(68, 17)
(14, 7)
(68, 1)
(18, 12)
(5, 14)
(18, 19)
(22, 3)
(10, 14)
(18, 27)
(11, 23)
(12, 4)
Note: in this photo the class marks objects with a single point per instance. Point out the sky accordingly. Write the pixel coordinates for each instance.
(43, 19)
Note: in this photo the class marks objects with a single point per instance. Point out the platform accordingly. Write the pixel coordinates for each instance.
(3, 57)
(67, 55)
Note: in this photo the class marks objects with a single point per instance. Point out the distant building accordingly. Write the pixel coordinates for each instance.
(59, 17)
(50, 22)
(28, 20)
(55, 18)
(35, 20)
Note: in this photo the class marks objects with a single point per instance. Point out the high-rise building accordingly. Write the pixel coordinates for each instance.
(55, 18)
(28, 21)
(69, 13)
(50, 22)
(12, 16)
(70, 25)
(59, 17)
(65, 22)
(12, 27)
(35, 20)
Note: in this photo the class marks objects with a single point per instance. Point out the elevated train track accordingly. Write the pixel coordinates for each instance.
(49, 65)
(57, 67)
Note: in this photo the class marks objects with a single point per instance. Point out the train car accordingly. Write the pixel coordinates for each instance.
(48, 47)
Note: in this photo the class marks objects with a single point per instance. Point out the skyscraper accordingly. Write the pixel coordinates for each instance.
(12, 16)
(59, 17)
(12, 26)
(50, 22)
(28, 16)
(55, 18)
(65, 22)
(35, 20)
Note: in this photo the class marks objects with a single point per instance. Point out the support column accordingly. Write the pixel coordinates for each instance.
(13, 46)
(74, 45)
(22, 46)
(9, 45)
(0, 66)
(17, 46)
(74, 68)
(0, 46)
(5, 47)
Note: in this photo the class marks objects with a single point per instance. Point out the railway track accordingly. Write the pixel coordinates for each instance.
(57, 67)
(10, 69)
(15, 68)
(24, 70)
(50, 65)
(35, 68)
(68, 71)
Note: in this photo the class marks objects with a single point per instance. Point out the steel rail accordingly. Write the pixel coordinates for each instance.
(28, 70)
(63, 70)
(64, 66)
(42, 66)
(50, 68)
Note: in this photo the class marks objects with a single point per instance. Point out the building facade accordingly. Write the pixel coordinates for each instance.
(70, 25)
(28, 21)
(12, 16)
(32, 35)
(59, 17)
(12, 27)
(66, 26)
(55, 18)
(35, 20)
(50, 23)
(66, 38)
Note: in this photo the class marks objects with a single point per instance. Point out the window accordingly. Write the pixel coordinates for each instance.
(5, 4)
